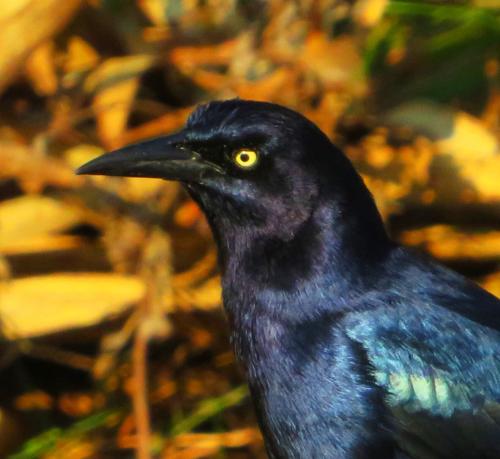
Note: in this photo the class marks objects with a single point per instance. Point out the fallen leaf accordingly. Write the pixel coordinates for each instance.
(42, 243)
(30, 218)
(115, 84)
(492, 284)
(24, 24)
(80, 154)
(336, 63)
(456, 133)
(34, 170)
(469, 140)
(446, 242)
(41, 305)
(41, 69)
(112, 107)
(36, 400)
(368, 12)
(80, 56)
(154, 10)
(466, 151)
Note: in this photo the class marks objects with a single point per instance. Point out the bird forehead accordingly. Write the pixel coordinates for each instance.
(243, 115)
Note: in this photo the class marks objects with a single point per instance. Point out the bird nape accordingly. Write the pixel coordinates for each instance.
(353, 346)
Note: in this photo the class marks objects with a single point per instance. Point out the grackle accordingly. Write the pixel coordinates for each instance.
(353, 346)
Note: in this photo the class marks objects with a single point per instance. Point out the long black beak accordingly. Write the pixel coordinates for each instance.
(163, 157)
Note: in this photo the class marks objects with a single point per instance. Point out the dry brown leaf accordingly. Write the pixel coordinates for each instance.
(198, 445)
(206, 296)
(24, 24)
(336, 63)
(469, 140)
(41, 305)
(112, 107)
(115, 83)
(80, 56)
(159, 126)
(466, 151)
(80, 154)
(41, 69)
(188, 214)
(485, 175)
(480, 166)
(34, 170)
(154, 11)
(369, 12)
(492, 284)
(446, 242)
(42, 243)
(36, 400)
(329, 110)
(279, 86)
(188, 58)
(118, 69)
(75, 448)
(193, 18)
(26, 219)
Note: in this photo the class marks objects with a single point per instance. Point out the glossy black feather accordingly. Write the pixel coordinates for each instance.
(353, 347)
(327, 313)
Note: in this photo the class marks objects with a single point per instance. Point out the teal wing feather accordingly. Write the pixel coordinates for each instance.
(440, 372)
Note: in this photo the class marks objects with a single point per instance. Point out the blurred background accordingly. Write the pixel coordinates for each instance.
(112, 339)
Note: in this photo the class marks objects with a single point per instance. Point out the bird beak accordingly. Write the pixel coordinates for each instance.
(163, 157)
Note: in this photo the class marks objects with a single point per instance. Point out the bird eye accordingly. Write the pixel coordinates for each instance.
(246, 159)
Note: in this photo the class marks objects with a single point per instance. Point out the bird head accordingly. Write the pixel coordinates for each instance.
(254, 167)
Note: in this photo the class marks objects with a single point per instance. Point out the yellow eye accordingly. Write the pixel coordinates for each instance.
(246, 159)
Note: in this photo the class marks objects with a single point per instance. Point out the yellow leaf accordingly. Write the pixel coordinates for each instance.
(118, 69)
(41, 70)
(467, 165)
(80, 56)
(492, 284)
(30, 217)
(469, 140)
(115, 83)
(485, 176)
(206, 296)
(445, 242)
(154, 10)
(369, 12)
(76, 156)
(42, 243)
(33, 169)
(41, 305)
(334, 62)
(24, 24)
(475, 151)
(112, 107)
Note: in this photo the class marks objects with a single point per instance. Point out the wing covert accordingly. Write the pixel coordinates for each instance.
(440, 372)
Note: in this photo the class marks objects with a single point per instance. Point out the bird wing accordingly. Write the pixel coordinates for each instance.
(440, 372)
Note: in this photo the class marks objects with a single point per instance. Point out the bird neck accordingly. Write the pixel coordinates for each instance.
(333, 251)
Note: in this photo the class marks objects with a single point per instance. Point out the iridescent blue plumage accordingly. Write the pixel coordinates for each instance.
(353, 347)
(439, 369)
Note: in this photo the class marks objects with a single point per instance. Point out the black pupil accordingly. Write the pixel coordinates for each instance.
(244, 157)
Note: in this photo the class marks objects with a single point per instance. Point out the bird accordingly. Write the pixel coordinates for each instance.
(353, 346)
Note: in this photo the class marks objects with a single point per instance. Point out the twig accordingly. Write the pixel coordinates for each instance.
(139, 396)
(56, 355)
(155, 267)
